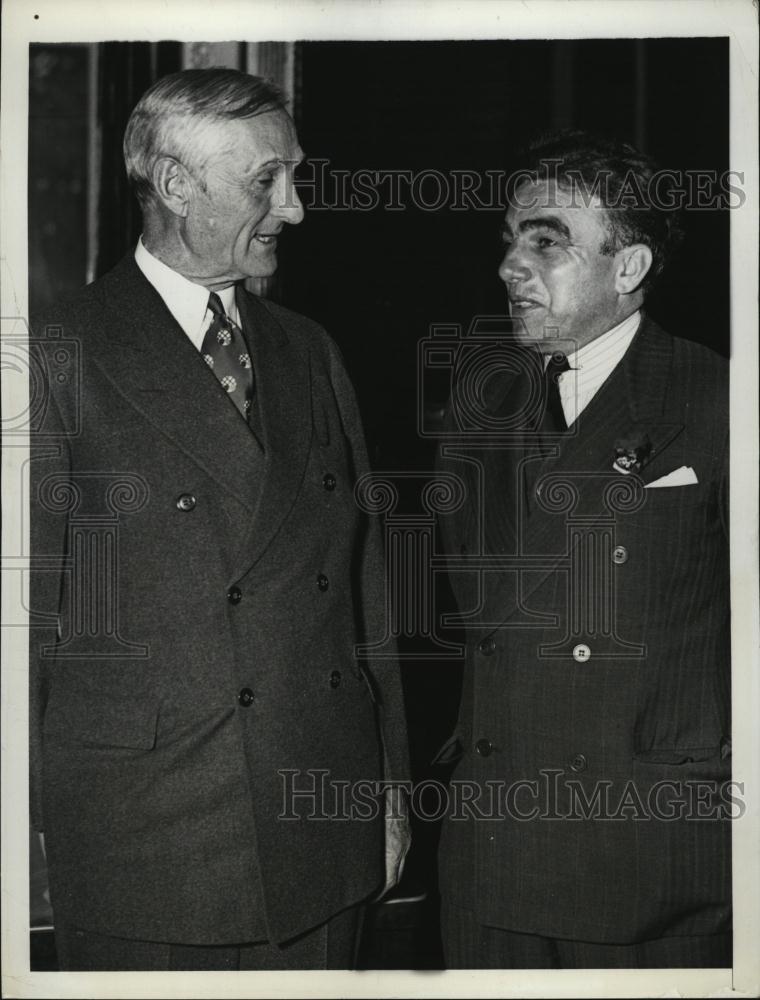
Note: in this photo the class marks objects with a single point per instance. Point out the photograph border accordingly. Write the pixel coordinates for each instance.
(108, 20)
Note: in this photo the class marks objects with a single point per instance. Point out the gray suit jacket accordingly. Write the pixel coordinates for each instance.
(599, 665)
(199, 588)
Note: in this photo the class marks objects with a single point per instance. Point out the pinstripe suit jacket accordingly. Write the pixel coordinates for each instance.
(209, 581)
(596, 691)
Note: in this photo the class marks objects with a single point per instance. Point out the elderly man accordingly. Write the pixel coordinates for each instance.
(197, 703)
(591, 570)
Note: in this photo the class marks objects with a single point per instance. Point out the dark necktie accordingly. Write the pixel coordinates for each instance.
(551, 422)
(225, 351)
(553, 419)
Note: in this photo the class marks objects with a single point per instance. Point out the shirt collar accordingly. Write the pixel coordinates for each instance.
(185, 300)
(620, 334)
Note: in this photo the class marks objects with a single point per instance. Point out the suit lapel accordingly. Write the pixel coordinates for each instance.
(633, 400)
(283, 396)
(157, 370)
(511, 406)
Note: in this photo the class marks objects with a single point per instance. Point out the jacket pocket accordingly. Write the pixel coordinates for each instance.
(451, 751)
(675, 497)
(683, 764)
(678, 756)
(104, 722)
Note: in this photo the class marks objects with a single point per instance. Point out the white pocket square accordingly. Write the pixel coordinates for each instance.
(685, 476)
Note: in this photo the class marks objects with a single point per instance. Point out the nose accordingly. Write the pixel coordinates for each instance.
(513, 266)
(287, 205)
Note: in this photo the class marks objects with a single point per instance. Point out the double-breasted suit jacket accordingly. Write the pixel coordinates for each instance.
(203, 583)
(596, 689)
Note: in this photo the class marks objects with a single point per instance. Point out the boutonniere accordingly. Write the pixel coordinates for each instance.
(632, 452)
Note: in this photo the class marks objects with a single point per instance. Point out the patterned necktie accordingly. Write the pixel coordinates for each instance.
(553, 419)
(225, 351)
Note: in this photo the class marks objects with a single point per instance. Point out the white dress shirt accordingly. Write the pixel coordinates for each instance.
(186, 301)
(592, 364)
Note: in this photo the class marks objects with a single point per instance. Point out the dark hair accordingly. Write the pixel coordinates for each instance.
(621, 176)
(172, 117)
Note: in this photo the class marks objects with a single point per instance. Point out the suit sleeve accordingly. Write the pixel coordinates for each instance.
(370, 577)
(50, 456)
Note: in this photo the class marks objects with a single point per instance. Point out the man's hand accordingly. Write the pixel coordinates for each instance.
(398, 836)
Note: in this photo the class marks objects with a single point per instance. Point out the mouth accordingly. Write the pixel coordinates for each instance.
(519, 304)
(268, 239)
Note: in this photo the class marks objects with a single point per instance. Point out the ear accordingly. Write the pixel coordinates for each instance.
(632, 266)
(172, 185)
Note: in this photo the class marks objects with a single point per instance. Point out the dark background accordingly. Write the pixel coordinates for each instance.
(377, 280)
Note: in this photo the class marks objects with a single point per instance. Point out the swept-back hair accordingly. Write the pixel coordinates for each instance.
(624, 180)
(172, 118)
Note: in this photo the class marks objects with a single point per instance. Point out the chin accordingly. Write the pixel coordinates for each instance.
(259, 270)
(529, 337)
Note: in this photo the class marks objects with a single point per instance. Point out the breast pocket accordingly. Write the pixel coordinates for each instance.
(675, 497)
(670, 497)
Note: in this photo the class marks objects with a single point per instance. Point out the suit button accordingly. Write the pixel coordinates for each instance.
(619, 555)
(462, 549)
(234, 595)
(246, 697)
(328, 481)
(578, 763)
(484, 748)
(581, 653)
(335, 678)
(322, 582)
(488, 646)
(185, 502)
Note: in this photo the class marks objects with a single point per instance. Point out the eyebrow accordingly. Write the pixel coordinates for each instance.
(551, 222)
(276, 161)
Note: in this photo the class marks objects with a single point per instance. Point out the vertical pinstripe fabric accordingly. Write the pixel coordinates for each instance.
(643, 729)
(469, 944)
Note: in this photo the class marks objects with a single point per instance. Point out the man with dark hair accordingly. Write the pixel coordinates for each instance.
(198, 710)
(626, 182)
(590, 565)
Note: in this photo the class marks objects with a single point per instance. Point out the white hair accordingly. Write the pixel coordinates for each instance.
(172, 118)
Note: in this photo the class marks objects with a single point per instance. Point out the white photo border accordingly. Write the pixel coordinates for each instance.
(29, 21)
